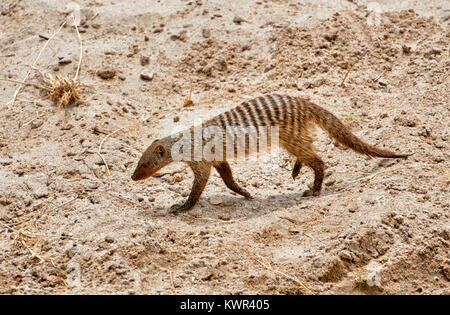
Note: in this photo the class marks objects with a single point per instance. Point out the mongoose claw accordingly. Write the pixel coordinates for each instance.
(310, 192)
(178, 208)
(246, 194)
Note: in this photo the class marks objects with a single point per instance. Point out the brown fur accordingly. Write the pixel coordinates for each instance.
(294, 118)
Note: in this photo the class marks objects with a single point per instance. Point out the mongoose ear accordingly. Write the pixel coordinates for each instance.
(155, 141)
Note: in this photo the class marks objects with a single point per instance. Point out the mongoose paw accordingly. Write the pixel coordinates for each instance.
(178, 208)
(247, 195)
(311, 192)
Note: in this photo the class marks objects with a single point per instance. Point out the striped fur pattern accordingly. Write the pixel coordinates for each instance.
(294, 117)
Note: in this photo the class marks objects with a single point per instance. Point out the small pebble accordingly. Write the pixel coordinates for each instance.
(216, 201)
(238, 20)
(109, 239)
(146, 75)
(224, 217)
(145, 60)
(64, 61)
(206, 33)
(106, 74)
(36, 123)
(245, 47)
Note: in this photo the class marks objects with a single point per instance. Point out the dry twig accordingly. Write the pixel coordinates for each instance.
(16, 93)
(188, 102)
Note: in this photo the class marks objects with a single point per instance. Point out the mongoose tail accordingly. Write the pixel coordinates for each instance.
(338, 131)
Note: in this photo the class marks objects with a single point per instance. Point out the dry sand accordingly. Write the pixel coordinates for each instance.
(379, 227)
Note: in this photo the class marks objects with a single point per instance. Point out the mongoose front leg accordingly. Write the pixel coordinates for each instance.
(297, 168)
(201, 171)
(224, 171)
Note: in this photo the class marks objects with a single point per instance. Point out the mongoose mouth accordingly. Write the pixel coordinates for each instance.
(136, 177)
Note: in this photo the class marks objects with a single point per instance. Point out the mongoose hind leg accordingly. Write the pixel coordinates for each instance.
(304, 152)
(318, 167)
(224, 170)
(201, 170)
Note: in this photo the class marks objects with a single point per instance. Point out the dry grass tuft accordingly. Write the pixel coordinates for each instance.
(63, 91)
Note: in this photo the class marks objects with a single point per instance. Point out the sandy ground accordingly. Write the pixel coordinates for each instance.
(379, 227)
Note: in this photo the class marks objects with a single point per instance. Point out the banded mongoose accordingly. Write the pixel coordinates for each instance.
(294, 118)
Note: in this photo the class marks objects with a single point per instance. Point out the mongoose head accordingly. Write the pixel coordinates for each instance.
(154, 158)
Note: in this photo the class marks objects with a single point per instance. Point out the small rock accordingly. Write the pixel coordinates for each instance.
(224, 217)
(64, 61)
(176, 119)
(432, 51)
(109, 239)
(238, 20)
(409, 121)
(269, 67)
(216, 201)
(406, 49)
(445, 18)
(245, 47)
(66, 127)
(331, 37)
(36, 123)
(197, 263)
(40, 192)
(106, 74)
(182, 36)
(145, 60)
(206, 33)
(207, 276)
(146, 75)
(184, 194)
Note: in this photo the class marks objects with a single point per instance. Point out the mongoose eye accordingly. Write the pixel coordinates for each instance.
(160, 152)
